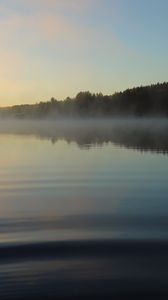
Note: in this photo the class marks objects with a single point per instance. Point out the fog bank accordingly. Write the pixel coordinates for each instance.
(139, 133)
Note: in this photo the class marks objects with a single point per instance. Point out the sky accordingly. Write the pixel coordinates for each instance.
(56, 48)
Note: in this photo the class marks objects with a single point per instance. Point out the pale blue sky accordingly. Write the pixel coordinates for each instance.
(60, 47)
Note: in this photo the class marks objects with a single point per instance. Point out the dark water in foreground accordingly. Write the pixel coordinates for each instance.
(83, 211)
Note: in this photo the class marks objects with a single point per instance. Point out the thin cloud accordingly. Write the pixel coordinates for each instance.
(66, 4)
(53, 43)
(55, 29)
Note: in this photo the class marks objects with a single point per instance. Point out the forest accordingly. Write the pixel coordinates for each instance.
(141, 101)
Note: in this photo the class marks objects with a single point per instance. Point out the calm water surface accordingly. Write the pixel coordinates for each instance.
(79, 219)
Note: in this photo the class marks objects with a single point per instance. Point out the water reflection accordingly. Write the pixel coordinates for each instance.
(139, 134)
(76, 224)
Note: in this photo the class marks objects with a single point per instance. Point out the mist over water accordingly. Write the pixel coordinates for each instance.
(83, 208)
(141, 133)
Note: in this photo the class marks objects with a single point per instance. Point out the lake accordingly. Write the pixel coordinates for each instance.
(83, 208)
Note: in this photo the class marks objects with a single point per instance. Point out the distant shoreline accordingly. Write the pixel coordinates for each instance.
(147, 101)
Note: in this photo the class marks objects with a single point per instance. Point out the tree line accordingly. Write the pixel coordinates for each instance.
(140, 101)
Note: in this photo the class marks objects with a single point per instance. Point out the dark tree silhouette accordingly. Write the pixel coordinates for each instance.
(141, 101)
